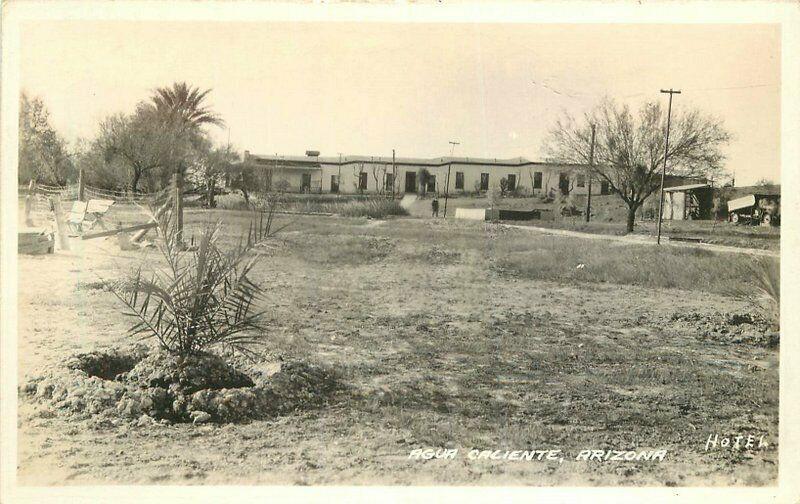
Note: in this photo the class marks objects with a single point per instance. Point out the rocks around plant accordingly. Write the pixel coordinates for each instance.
(148, 388)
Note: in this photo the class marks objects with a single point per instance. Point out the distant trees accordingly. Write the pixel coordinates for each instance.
(134, 151)
(162, 136)
(43, 154)
(629, 147)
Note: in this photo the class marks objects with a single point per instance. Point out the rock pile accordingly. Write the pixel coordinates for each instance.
(745, 328)
(201, 388)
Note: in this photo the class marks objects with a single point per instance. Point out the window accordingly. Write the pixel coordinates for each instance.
(604, 187)
(512, 182)
(460, 180)
(411, 182)
(334, 183)
(484, 181)
(581, 180)
(389, 182)
(537, 180)
(362, 181)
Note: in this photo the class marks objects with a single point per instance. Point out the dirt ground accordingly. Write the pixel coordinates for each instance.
(438, 347)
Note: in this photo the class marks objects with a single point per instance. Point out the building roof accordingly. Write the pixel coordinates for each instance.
(688, 187)
(316, 161)
(762, 190)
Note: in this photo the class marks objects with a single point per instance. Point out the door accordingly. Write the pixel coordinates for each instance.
(334, 183)
(305, 185)
(563, 183)
(431, 184)
(512, 182)
(411, 182)
(484, 181)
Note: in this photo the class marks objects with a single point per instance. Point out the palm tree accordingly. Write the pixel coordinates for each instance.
(182, 105)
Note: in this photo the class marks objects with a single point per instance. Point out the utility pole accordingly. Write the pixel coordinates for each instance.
(447, 182)
(394, 174)
(339, 175)
(591, 165)
(664, 170)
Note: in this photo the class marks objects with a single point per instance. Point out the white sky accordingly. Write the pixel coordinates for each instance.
(368, 88)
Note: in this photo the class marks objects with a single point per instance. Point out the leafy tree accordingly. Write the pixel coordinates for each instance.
(212, 165)
(503, 186)
(764, 182)
(629, 148)
(140, 143)
(249, 177)
(90, 157)
(424, 177)
(43, 154)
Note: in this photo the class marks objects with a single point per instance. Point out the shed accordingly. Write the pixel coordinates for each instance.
(688, 202)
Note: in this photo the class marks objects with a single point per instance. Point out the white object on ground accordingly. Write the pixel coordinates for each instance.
(408, 200)
(471, 213)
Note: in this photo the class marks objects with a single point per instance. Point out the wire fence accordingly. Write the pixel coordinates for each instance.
(42, 196)
(126, 197)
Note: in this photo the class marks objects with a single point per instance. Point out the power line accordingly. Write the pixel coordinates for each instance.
(561, 92)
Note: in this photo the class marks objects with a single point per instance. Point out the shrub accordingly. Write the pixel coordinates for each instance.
(375, 208)
(763, 288)
(203, 298)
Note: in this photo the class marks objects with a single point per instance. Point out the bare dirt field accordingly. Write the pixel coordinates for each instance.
(445, 334)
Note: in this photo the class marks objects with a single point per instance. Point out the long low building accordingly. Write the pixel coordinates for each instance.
(384, 175)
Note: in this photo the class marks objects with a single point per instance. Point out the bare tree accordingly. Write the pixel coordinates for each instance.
(379, 175)
(629, 149)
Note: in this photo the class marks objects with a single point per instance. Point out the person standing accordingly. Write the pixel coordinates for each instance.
(435, 207)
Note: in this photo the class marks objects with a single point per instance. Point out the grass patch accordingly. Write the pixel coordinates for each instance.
(571, 261)
(344, 205)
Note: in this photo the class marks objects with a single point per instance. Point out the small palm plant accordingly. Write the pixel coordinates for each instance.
(203, 298)
(767, 278)
(764, 287)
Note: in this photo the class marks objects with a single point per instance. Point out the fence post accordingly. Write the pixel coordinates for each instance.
(178, 184)
(81, 185)
(63, 239)
(28, 203)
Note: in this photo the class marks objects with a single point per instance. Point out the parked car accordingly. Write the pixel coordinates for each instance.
(755, 209)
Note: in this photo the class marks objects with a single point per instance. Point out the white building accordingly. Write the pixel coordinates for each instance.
(383, 175)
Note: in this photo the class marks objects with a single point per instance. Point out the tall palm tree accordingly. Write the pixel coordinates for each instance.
(181, 109)
(182, 105)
